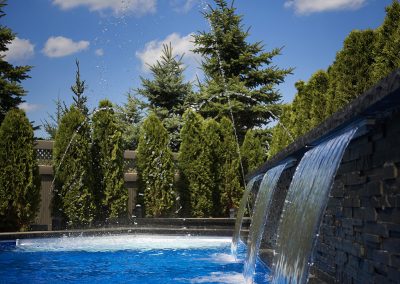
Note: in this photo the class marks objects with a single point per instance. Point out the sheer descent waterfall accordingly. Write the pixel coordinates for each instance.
(260, 215)
(240, 214)
(304, 205)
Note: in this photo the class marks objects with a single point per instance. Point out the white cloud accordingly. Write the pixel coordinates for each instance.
(180, 45)
(19, 49)
(314, 6)
(61, 46)
(99, 52)
(183, 6)
(138, 7)
(29, 107)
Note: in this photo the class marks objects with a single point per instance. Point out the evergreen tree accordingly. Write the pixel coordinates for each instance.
(350, 74)
(78, 89)
(130, 117)
(317, 88)
(231, 190)
(108, 161)
(73, 196)
(19, 175)
(167, 91)
(51, 125)
(387, 44)
(156, 169)
(195, 165)
(239, 75)
(212, 142)
(253, 152)
(280, 136)
(11, 91)
(299, 122)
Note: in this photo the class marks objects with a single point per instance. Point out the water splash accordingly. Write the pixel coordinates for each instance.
(307, 198)
(240, 214)
(260, 216)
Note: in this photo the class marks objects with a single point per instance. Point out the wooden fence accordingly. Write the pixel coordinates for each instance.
(44, 152)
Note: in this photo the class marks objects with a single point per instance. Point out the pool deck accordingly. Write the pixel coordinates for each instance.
(221, 227)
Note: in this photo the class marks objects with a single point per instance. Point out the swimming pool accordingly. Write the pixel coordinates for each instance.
(123, 259)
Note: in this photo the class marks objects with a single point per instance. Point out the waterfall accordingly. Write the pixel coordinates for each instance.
(240, 214)
(260, 216)
(304, 205)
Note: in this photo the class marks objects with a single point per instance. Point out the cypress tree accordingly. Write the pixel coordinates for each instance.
(11, 91)
(156, 169)
(19, 175)
(195, 165)
(231, 190)
(212, 142)
(350, 73)
(239, 75)
(299, 121)
(73, 197)
(317, 88)
(387, 44)
(108, 161)
(280, 135)
(253, 152)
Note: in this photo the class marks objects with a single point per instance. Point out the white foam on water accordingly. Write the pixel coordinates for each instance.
(121, 242)
(222, 258)
(220, 277)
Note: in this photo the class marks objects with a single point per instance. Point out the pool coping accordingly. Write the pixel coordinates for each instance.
(221, 227)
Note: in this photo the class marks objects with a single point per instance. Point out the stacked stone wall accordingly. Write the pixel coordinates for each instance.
(359, 238)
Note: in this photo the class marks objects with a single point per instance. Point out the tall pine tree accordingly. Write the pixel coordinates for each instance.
(239, 75)
(11, 91)
(167, 91)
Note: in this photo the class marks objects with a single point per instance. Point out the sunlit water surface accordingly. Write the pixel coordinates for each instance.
(123, 259)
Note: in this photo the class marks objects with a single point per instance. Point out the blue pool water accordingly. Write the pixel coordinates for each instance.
(124, 259)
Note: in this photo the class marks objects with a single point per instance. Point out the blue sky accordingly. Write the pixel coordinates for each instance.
(113, 39)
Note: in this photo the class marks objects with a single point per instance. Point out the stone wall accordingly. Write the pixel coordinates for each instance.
(359, 238)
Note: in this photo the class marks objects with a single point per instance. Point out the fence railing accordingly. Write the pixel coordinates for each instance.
(44, 154)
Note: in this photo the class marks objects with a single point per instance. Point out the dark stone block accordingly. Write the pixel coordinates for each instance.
(392, 245)
(373, 188)
(390, 215)
(394, 230)
(376, 229)
(374, 239)
(393, 274)
(365, 213)
(390, 171)
(380, 256)
(395, 260)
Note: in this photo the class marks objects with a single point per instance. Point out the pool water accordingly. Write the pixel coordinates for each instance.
(124, 259)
